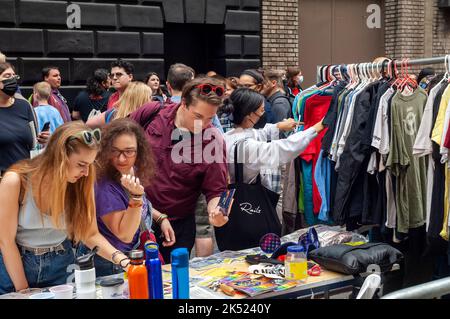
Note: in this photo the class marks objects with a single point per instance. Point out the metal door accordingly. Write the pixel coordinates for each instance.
(339, 31)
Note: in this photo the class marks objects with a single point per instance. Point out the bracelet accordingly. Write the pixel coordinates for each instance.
(137, 195)
(115, 254)
(137, 198)
(160, 219)
(120, 262)
(135, 204)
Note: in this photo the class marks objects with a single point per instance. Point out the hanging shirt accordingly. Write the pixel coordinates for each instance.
(447, 139)
(443, 149)
(423, 145)
(348, 199)
(437, 211)
(380, 139)
(322, 175)
(330, 119)
(316, 108)
(439, 125)
(407, 112)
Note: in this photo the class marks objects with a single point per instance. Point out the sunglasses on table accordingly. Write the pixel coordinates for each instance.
(87, 137)
(205, 89)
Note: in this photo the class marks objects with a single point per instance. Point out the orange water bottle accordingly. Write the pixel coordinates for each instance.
(137, 276)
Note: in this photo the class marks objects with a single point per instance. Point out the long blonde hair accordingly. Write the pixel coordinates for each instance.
(75, 202)
(135, 95)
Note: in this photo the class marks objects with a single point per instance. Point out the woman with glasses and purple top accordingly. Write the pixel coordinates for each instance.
(47, 203)
(124, 166)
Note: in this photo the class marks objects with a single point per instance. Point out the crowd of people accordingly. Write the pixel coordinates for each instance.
(122, 166)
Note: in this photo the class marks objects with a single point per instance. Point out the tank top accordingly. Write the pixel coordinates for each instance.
(36, 230)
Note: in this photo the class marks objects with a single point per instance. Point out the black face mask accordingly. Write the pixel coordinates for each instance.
(10, 86)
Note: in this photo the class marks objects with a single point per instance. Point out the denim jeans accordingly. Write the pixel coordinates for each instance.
(103, 267)
(42, 271)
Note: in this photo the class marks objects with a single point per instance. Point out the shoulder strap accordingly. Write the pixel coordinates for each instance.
(109, 114)
(239, 167)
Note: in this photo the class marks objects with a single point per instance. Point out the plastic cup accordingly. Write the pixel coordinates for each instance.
(30, 291)
(43, 295)
(62, 291)
(112, 288)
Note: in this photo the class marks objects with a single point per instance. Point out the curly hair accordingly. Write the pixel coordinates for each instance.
(144, 165)
(94, 82)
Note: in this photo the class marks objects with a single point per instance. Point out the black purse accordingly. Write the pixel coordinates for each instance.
(252, 215)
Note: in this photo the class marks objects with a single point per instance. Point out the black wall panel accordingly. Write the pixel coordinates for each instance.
(35, 34)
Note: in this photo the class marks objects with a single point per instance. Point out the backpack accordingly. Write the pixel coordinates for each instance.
(288, 99)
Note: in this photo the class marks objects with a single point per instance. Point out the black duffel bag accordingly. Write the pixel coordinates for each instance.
(252, 215)
(351, 260)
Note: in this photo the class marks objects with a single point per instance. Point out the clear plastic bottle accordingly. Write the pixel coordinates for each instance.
(296, 264)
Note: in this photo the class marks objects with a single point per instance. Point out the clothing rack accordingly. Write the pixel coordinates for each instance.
(382, 65)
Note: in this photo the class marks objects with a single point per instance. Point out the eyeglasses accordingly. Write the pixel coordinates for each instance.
(87, 137)
(205, 89)
(126, 153)
(118, 75)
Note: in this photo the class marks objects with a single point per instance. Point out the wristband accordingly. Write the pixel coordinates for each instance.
(160, 219)
(135, 204)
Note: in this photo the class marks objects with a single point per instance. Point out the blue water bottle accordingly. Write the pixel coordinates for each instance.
(180, 273)
(153, 264)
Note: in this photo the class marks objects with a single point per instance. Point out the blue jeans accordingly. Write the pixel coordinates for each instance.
(103, 267)
(42, 271)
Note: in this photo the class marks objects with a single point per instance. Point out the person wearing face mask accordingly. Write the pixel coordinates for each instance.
(247, 107)
(17, 122)
(263, 153)
(294, 79)
(255, 80)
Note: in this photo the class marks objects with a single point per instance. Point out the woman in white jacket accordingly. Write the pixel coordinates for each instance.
(263, 151)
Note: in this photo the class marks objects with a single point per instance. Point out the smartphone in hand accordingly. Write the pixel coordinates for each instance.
(46, 127)
(225, 201)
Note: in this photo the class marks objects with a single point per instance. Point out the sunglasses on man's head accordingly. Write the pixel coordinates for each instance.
(87, 137)
(205, 89)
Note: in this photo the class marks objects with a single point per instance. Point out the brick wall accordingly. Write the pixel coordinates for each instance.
(405, 28)
(279, 33)
(441, 31)
(416, 29)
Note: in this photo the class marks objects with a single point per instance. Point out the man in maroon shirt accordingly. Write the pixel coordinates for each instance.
(121, 74)
(191, 159)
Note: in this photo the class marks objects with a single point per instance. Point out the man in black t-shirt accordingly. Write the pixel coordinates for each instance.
(95, 97)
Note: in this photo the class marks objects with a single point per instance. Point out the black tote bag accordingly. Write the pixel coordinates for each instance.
(252, 215)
